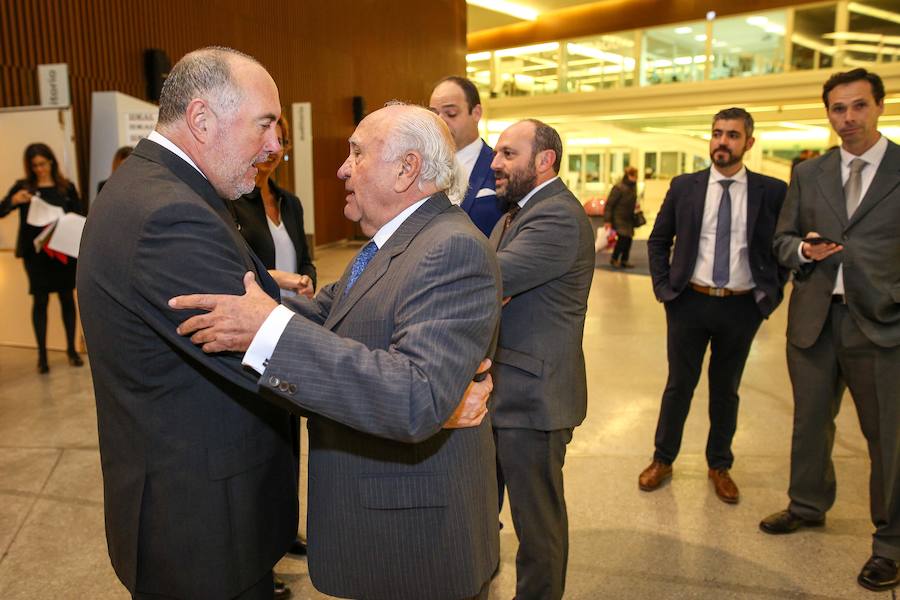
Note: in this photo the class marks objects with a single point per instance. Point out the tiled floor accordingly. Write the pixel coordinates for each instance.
(678, 542)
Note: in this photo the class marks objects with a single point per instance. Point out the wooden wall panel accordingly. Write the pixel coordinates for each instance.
(319, 52)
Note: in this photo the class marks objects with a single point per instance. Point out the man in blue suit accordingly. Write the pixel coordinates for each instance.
(456, 101)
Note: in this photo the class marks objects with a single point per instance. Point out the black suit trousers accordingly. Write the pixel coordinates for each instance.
(727, 325)
(529, 464)
(844, 357)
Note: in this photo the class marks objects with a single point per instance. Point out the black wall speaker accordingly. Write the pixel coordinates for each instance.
(156, 68)
(359, 109)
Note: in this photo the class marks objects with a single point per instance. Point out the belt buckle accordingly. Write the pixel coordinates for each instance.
(718, 292)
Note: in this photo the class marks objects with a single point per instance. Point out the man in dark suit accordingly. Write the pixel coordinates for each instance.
(456, 101)
(399, 507)
(844, 315)
(200, 485)
(545, 246)
(721, 281)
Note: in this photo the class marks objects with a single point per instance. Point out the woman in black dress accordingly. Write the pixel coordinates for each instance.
(47, 271)
(271, 220)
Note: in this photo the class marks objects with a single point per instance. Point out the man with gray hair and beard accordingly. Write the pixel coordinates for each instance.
(401, 506)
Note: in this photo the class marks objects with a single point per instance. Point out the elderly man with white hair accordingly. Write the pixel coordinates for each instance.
(401, 505)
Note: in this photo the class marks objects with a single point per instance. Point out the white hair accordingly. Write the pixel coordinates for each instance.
(424, 132)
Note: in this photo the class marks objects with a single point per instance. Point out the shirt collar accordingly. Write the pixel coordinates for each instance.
(387, 230)
(470, 152)
(528, 196)
(169, 145)
(872, 156)
(739, 177)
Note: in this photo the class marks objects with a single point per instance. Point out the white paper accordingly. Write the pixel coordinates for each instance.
(67, 235)
(41, 213)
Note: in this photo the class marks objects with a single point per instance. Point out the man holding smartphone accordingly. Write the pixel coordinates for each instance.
(838, 233)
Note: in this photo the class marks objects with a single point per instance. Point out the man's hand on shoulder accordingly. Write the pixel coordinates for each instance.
(230, 321)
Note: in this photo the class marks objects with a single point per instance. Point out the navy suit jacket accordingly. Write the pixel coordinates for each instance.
(681, 217)
(484, 211)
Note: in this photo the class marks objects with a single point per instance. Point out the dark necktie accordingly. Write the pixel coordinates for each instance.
(510, 215)
(853, 187)
(359, 264)
(722, 259)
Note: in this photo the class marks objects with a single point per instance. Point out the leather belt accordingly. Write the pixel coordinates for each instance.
(718, 292)
(838, 299)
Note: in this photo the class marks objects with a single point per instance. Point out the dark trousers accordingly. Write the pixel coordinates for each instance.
(529, 464)
(844, 357)
(40, 302)
(727, 325)
(264, 589)
(622, 249)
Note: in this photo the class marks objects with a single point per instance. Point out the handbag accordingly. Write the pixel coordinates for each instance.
(639, 218)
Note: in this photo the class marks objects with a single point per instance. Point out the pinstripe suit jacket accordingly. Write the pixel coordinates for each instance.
(547, 262)
(398, 507)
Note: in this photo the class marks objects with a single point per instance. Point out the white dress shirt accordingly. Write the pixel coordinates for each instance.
(740, 278)
(166, 143)
(265, 340)
(529, 195)
(468, 156)
(873, 157)
(285, 253)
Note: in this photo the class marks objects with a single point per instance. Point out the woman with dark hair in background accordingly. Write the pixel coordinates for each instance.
(618, 213)
(47, 271)
(271, 220)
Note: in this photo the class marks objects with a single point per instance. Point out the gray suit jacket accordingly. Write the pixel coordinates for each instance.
(399, 508)
(871, 254)
(547, 263)
(199, 477)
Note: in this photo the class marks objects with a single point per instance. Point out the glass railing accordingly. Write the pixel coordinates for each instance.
(803, 37)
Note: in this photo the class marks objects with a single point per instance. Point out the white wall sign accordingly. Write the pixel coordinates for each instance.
(139, 124)
(53, 83)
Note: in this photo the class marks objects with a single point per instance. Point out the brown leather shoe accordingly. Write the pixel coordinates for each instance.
(654, 475)
(726, 488)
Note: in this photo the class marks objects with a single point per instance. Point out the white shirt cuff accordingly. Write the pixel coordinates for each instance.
(265, 340)
(803, 259)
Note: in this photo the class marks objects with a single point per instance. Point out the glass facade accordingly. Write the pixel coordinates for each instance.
(823, 35)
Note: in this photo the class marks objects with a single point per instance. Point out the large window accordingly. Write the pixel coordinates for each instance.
(674, 53)
(748, 45)
(811, 49)
(600, 62)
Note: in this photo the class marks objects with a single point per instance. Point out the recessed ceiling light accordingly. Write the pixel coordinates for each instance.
(701, 37)
(758, 20)
(683, 30)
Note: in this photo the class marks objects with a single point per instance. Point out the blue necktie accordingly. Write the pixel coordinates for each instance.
(359, 264)
(722, 259)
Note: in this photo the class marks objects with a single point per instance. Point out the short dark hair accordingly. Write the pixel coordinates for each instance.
(736, 114)
(546, 138)
(44, 151)
(468, 88)
(851, 76)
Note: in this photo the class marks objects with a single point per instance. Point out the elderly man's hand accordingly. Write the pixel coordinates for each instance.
(818, 251)
(231, 322)
(299, 284)
(473, 407)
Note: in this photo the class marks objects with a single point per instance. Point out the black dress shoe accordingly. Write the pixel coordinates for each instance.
(282, 591)
(43, 368)
(75, 360)
(879, 574)
(784, 521)
(298, 548)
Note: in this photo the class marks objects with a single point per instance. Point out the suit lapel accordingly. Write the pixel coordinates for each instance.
(379, 264)
(828, 181)
(755, 191)
(698, 203)
(203, 188)
(479, 173)
(886, 179)
(548, 191)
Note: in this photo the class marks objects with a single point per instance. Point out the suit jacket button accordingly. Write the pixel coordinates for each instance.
(292, 389)
(274, 381)
(284, 386)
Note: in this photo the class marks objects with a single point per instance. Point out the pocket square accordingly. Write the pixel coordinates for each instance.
(485, 192)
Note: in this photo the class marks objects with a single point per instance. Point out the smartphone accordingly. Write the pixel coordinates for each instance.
(819, 240)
